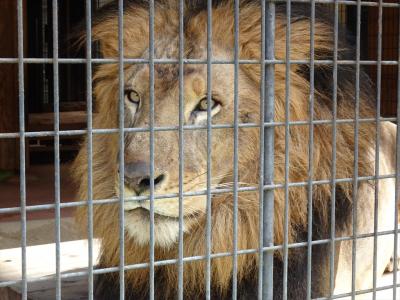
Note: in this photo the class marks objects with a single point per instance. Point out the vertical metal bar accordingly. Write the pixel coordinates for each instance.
(151, 66)
(209, 146)
(310, 151)
(89, 110)
(121, 131)
(22, 179)
(397, 190)
(287, 145)
(355, 167)
(235, 148)
(268, 91)
(334, 130)
(261, 156)
(56, 146)
(181, 150)
(377, 136)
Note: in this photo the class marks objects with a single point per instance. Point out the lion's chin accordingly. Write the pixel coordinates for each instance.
(166, 229)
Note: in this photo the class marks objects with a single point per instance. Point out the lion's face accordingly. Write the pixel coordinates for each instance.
(167, 156)
(166, 143)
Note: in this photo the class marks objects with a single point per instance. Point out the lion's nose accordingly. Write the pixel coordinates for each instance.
(137, 177)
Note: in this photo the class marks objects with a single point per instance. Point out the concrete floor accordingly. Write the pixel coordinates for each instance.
(40, 224)
(38, 232)
(39, 190)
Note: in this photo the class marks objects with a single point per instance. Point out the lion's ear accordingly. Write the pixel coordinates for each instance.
(103, 31)
(300, 38)
(108, 50)
(250, 39)
(106, 33)
(136, 35)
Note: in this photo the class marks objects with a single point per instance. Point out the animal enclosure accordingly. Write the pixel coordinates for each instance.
(279, 181)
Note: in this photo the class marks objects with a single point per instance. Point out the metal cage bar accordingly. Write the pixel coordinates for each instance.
(267, 146)
(57, 215)
(38, 207)
(287, 146)
(355, 174)
(333, 167)
(397, 178)
(261, 255)
(151, 116)
(195, 61)
(21, 108)
(209, 147)
(377, 143)
(181, 147)
(202, 257)
(89, 109)
(13, 135)
(121, 142)
(310, 152)
(235, 150)
(216, 255)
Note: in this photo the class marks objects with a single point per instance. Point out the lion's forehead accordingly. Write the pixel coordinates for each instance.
(166, 53)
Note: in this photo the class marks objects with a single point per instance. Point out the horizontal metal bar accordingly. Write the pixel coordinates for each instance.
(361, 292)
(10, 60)
(344, 2)
(201, 257)
(9, 210)
(50, 133)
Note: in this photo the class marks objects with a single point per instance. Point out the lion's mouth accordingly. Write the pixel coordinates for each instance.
(145, 213)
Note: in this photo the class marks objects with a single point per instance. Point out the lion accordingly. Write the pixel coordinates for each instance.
(105, 167)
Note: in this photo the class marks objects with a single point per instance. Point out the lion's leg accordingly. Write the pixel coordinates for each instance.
(390, 265)
(365, 225)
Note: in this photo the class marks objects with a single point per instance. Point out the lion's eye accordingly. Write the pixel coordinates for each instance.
(132, 96)
(132, 103)
(202, 106)
(199, 114)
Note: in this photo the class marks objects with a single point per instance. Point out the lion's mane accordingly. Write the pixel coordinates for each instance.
(105, 146)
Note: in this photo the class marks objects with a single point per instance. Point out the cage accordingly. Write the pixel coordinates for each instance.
(47, 109)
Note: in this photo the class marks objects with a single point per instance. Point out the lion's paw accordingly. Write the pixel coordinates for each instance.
(390, 265)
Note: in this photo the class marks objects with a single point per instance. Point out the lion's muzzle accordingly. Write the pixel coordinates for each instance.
(137, 178)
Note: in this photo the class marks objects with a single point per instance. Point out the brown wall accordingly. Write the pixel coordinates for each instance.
(8, 85)
(390, 40)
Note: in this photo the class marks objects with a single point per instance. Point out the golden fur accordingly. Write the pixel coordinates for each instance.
(105, 147)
